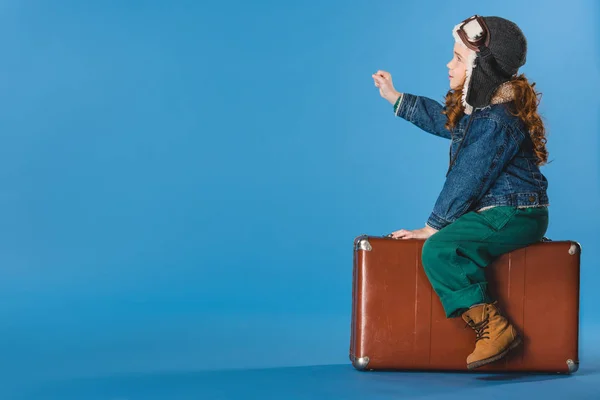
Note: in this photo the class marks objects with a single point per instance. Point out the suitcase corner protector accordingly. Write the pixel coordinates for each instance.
(575, 248)
(362, 243)
(360, 363)
(573, 366)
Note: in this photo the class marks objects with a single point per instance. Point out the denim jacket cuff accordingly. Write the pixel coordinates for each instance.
(405, 106)
(436, 222)
(432, 227)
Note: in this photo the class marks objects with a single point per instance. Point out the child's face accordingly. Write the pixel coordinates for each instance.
(458, 66)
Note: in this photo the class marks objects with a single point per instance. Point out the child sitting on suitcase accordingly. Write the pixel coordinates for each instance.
(494, 197)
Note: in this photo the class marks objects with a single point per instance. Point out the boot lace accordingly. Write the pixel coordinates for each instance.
(480, 328)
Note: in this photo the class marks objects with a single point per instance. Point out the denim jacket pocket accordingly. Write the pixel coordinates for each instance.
(497, 217)
(457, 134)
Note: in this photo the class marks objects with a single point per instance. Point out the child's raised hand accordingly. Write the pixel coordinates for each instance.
(383, 80)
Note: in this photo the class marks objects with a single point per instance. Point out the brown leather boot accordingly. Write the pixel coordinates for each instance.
(495, 335)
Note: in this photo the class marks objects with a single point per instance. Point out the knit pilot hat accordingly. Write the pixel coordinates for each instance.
(494, 64)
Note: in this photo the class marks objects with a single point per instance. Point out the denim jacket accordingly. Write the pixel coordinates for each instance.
(495, 166)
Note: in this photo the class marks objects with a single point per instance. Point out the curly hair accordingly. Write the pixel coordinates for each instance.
(524, 106)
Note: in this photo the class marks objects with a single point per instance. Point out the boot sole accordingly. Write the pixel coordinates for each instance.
(497, 357)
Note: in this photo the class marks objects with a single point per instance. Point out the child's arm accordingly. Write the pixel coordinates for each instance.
(422, 112)
(489, 148)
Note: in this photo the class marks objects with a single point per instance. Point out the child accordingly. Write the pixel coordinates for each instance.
(494, 198)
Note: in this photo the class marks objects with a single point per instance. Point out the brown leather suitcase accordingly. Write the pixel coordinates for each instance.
(398, 322)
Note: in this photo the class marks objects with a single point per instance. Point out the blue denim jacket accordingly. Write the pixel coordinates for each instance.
(496, 165)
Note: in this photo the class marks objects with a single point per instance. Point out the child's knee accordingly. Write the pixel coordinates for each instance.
(431, 252)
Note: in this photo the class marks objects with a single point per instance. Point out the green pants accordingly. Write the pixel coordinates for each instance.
(454, 258)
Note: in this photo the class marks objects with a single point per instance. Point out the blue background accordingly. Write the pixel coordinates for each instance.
(182, 181)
